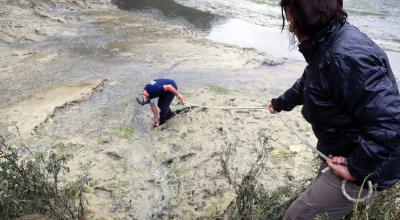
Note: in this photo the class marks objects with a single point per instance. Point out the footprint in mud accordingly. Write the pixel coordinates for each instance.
(113, 155)
(257, 117)
(168, 161)
(182, 158)
(187, 156)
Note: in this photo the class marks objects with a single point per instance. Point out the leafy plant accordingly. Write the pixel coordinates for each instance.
(386, 205)
(254, 202)
(30, 183)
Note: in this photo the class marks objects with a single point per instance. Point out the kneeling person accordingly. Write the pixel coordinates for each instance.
(163, 89)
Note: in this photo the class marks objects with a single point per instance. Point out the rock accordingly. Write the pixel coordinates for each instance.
(297, 148)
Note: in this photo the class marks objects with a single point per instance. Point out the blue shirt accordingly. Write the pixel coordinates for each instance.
(155, 88)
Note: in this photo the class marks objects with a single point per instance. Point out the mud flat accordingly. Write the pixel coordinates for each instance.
(54, 63)
(30, 113)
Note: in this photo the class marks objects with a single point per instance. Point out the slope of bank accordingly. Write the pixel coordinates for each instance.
(139, 172)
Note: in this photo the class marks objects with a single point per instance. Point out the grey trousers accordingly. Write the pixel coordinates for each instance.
(324, 198)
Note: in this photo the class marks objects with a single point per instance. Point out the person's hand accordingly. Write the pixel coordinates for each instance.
(156, 122)
(181, 98)
(271, 108)
(339, 167)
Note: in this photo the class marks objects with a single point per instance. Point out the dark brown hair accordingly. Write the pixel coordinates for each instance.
(311, 16)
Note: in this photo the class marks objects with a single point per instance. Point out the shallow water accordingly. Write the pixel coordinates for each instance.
(270, 40)
(171, 9)
(376, 18)
(247, 35)
(240, 26)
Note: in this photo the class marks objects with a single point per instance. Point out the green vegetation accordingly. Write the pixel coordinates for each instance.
(385, 206)
(179, 172)
(31, 183)
(123, 132)
(254, 202)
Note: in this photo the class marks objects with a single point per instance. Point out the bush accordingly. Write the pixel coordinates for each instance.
(30, 184)
(254, 202)
(386, 205)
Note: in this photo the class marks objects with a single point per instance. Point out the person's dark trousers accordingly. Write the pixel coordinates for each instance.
(163, 103)
(324, 199)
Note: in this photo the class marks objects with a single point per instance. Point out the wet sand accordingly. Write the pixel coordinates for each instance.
(51, 63)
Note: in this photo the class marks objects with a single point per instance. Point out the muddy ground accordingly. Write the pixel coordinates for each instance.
(69, 72)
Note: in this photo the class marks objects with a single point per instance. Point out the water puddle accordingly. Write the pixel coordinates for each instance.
(171, 9)
(223, 30)
(269, 39)
(247, 35)
(233, 31)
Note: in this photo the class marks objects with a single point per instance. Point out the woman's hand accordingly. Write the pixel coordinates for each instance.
(338, 166)
(271, 108)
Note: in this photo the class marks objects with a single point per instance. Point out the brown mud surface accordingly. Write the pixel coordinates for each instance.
(54, 59)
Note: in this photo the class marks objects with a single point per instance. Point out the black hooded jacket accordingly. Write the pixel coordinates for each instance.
(350, 96)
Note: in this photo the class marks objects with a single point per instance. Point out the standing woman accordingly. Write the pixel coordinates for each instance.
(350, 97)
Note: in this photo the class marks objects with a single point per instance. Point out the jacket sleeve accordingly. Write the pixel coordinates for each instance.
(291, 98)
(367, 89)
